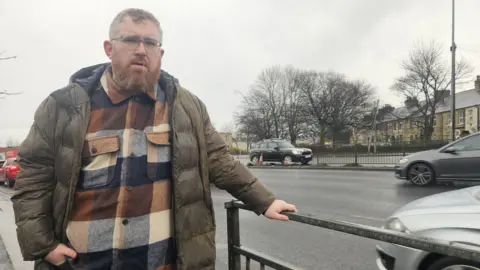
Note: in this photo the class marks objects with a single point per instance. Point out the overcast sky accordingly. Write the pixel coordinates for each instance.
(218, 47)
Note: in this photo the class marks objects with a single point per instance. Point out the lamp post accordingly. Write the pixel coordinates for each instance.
(452, 94)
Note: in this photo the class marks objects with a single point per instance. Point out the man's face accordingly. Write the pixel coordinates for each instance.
(135, 64)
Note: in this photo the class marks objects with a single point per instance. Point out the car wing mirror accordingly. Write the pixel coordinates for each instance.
(450, 150)
(277, 148)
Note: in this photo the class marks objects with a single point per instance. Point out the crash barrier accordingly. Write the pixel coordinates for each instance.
(236, 250)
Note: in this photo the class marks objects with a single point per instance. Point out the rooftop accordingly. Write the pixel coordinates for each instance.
(463, 99)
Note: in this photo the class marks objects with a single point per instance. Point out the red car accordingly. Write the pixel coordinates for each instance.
(9, 171)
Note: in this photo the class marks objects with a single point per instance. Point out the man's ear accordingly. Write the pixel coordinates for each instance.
(108, 48)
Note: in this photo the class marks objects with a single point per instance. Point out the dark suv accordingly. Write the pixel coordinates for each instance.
(278, 150)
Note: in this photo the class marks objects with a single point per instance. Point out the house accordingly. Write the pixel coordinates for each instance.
(404, 123)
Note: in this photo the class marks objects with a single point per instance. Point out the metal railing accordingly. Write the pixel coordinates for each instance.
(236, 250)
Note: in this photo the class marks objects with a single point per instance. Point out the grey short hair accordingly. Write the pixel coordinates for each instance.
(137, 15)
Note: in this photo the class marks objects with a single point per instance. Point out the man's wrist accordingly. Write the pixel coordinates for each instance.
(50, 249)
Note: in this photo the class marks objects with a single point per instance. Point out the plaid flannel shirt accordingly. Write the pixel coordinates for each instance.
(122, 217)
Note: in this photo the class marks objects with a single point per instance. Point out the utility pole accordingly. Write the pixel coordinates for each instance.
(452, 94)
(375, 126)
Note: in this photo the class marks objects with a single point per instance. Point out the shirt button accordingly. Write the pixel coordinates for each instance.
(94, 150)
(129, 188)
(125, 221)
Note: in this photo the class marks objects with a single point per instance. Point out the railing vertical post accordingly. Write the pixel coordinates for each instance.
(233, 233)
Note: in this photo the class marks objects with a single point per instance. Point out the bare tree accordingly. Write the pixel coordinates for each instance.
(254, 120)
(262, 107)
(288, 102)
(345, 105)
(268, 88)
(5, 92)
(294, 109)
(426, 82)
(335, 102)
(12, 143)
(312, 85)
(6, 57)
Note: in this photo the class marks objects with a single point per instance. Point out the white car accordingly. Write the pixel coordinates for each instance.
(453, 216)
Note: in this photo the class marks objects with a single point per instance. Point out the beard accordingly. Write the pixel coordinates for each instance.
(134, 81)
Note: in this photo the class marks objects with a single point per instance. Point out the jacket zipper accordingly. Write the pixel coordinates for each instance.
(172, 135)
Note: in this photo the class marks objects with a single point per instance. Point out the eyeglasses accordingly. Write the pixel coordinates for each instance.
(132, 43)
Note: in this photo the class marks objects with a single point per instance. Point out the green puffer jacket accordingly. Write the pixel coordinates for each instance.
(50, 161)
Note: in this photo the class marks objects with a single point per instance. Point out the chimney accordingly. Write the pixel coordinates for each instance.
(444, 93)
(410, 102)
(477, 84)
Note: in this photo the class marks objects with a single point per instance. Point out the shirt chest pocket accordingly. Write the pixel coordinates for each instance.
(158, 156)
(99, 161)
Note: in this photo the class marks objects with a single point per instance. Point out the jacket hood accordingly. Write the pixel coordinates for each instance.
(89, 78)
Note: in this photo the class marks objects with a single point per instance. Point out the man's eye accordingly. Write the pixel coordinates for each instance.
(131, 40)
(150, 43)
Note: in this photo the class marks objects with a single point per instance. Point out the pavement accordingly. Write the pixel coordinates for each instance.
(365, 197)
(12, 258)
(5, 263)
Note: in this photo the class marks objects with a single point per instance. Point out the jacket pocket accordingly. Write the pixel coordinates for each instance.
(100, 159)
(158, 155)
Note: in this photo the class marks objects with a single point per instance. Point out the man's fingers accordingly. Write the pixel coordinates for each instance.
(290, 207)
(280, 217)
(68, 252)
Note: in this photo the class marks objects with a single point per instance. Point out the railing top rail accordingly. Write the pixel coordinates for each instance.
(389, 236)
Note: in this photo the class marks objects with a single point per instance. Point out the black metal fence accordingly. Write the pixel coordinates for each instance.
(236, 250)
(363, 154)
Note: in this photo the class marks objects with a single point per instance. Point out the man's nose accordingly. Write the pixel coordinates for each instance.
(140, 49)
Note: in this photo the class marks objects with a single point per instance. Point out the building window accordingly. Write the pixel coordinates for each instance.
(412, 124)
(400, 125)
(461, 117)
(435, 121)
(395, 126)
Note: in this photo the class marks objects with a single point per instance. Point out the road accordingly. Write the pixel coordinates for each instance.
(362, 197)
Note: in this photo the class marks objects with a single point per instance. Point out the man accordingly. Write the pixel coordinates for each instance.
(116, 169)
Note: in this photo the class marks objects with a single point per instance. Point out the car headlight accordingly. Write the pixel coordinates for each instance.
(403, 160)
(395, 224)
(296, 151)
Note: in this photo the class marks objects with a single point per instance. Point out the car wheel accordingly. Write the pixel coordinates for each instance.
(421, 174)
(287, 160)
(451, 263)
(254, 160)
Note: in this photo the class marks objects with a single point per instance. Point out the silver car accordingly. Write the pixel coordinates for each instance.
(452, 216)
(457, 161)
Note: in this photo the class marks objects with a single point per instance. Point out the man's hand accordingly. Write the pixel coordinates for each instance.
(58, 255)
(278, 206)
